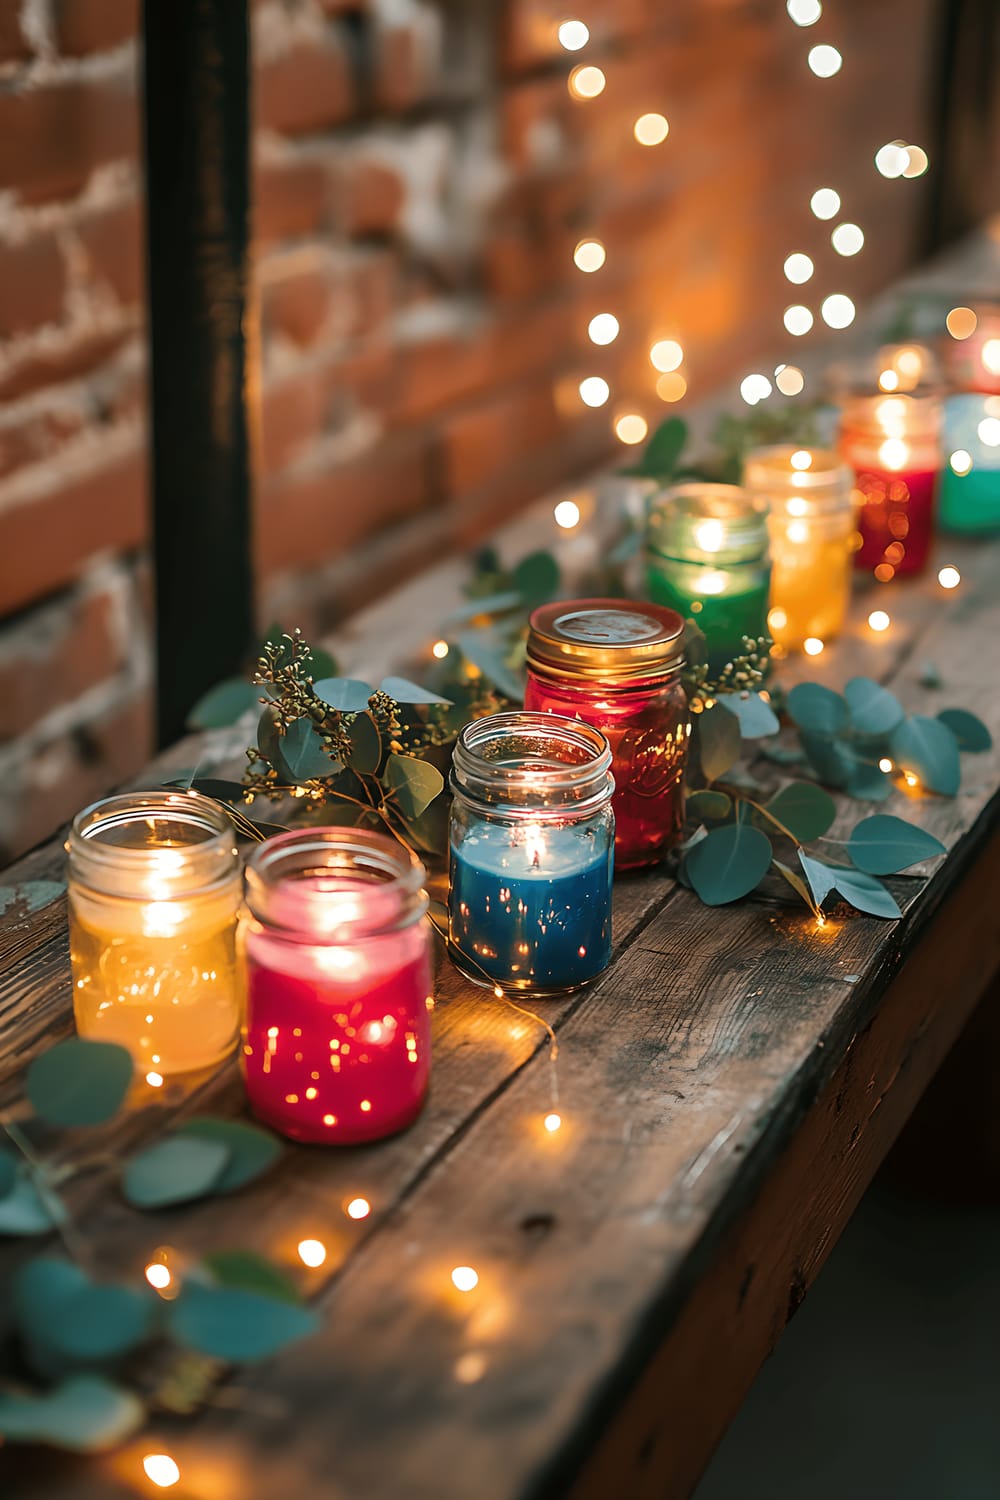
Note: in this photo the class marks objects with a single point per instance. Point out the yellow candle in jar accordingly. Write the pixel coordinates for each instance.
(154, 890)
(810, 494)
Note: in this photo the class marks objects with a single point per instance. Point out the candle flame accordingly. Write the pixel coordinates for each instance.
(534, 844)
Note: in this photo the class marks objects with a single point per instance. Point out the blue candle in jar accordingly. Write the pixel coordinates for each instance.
(532, 846)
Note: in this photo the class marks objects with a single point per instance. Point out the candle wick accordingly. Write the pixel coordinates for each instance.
(534, 860)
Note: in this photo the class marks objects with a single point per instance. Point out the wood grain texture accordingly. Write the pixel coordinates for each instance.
(727, 1089)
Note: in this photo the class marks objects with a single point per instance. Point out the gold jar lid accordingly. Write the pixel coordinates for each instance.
(605, 640)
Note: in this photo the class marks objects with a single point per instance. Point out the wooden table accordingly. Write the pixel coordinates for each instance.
(727, 1090)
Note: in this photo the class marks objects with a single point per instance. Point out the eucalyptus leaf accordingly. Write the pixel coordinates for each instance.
(78, 1082)
(246, 1271)
(883, 845)
(176, 1169)
(782, 755)
(403, 691)
(708, 804)
(223, 704)
(414, 782)
(232, 1324)
(213, 786)
(866, 893)
(321, 664)
(868, 783)
(66, 1318)
(756, 717)
(719, 741)
(251, 1149)
(24, 1210)
(536, 578)
(348, 695)
(822, 877)
(662, 453)
(33, 895)
(490, 604)
(366, 745)
(488, 652)
(303, 753)
(831, 761)
(970, 732)
(804, 808)
(85, 1414)
(796, 882)
(728, 863)
(269, 741)
(928, 749)
(872, 708)
(817, 709)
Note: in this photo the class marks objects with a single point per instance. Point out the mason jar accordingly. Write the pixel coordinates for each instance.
(810, 493)
(154, 891)
(617, 665)
(337, 1043)
(707, 558)
(532, 852)
(892, 443)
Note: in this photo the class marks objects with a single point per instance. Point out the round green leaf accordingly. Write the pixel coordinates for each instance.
(414, 782)
(804, 808)
(246, 1271)
(796, 882)
(882, 845)
(536, 578)
(821, 877)
(321, 664)
(866, 893)
(928, 750)
(366, 745)
(817, 709)
(251, 1149)
(174, 1170)
(728, 863)
(868, 783)
(488, 652)
(231, 1324)
(660, 456)
(756, 717)
(79, 1082)
(223, 704)
(719, 741)
(66, 1317)
(970, 732)
(25, 1211)
(409, 692)
(347, 695)
(831, 761)
(708, 804)
(85, 1414)
(303, 752)
(873, 709)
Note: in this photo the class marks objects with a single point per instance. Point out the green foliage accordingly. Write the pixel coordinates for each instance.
(719, 741)
(536, 579)
(223, 704)
(661, 456)
(414, 783)
(805, 810)
(304, 754)
(230, 1323)
(79, 1082)
(728, 863)
(251, 1149)
(67, 1321)
(970, 732)
(708, 804)
(26, 1210)
(757, 718)
(86, 1414)
(246, 1271)
(175, 1170)
(883, 845)
(927, 749)
(366, 745)
(872, 709)
(346, 695)
(403, 691)
(817, 709)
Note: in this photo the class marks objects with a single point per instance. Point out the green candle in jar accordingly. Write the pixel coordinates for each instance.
(707, 557)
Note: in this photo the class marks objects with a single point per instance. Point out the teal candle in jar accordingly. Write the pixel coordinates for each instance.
(707, 557)
(970, 478)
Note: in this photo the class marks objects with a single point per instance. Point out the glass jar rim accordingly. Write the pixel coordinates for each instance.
(608, 640)
(769, 467)
(334, 884)
(187, 865)
(916, 413)
(538, 781)
(679, 517)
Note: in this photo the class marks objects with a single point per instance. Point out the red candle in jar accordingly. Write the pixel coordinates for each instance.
(337, 1035)
(892, 443)
(616, 665)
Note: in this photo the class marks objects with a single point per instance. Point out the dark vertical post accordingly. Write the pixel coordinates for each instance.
(203, 363)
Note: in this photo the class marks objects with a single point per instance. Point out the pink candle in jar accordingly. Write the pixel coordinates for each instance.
(892, 444)
(337, 1035)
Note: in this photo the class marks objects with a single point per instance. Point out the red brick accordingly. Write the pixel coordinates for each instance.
(46, 541)
(60, 652)
(403, 74)
(14, 45)
(322, 509)
(32, 284)
(66, 775)
(495, 435)
(78, 353)
(309, 88)
(291, 198)
(38, 435)
(297, 294)
(53, 136)
(94, 25)
(113, 244)
(370, 197)
(295, 412)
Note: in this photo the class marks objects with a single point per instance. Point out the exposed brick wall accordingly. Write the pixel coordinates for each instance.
(421, 177)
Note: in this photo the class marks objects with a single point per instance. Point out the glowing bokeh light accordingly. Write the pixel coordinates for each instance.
(804, 12)
(892, 159)
(989, 431)
(825, 203)
(888, 381)
(594, 391)
(754, 388)
(789, 380)
(552, 1122)
(801, 459)
(161, 1469)
(798, 319)
(312, 1252)
(671, 387)
(603, 328)
(961, 322)
(589, 255)
(573, 35)
(812, 646)
(440, 650)
(878, 620)
(917, 162)
(586, 81)
(798, 268)
(631, 428)
(358, 1208)
(158, 1275)
(824, 60)
(838, 310)
(961, 461)
(666, 355)
(464, 1278)
(651, 130)
(991, 356)
(848, 239)
(885, 764)
(949, 578)
(567, 514)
